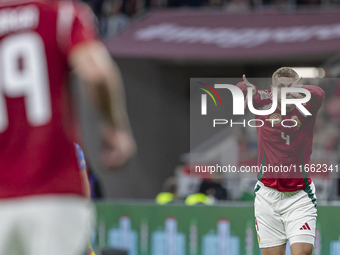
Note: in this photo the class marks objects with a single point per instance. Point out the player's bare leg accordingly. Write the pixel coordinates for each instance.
(301, 249)
(277, 250)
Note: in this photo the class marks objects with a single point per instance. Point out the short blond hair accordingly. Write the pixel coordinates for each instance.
(286, 72)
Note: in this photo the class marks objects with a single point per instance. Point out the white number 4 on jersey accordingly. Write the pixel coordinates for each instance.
(287, 138)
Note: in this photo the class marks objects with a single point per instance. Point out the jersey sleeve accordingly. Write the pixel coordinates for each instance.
(75, 25)
(317, 97)
(262, 97)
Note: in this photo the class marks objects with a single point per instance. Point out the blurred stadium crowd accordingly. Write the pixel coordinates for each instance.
(114, 15)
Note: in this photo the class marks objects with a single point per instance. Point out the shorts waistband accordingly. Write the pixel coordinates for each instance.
(262, 186)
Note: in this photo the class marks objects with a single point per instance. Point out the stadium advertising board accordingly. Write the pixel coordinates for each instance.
(144, 229)
(215, 35)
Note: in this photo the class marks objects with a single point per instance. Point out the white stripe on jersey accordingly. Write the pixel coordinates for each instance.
(64, 23)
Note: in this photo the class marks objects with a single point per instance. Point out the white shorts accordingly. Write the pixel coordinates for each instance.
(40, 225)
(284, 216)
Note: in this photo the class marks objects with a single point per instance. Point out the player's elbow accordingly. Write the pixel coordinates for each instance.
(316, 91)
(322, 94)
(241, 86)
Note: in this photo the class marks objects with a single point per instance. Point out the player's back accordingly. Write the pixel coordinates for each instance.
(37, 154)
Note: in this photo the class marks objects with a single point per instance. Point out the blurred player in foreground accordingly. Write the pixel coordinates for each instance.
(42, 207)
(285, 202)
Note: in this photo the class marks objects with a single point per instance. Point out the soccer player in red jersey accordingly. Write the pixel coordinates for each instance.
(285, 201)
(42, 208)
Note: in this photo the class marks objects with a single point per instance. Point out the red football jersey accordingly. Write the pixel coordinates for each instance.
(37, 154)
(286, 148)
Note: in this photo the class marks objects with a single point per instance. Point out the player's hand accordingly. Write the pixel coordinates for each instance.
(296, 84)
(118, 146)
(249, 85)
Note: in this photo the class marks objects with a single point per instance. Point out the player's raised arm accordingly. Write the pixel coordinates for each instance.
(317, 97)
(246, 84)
